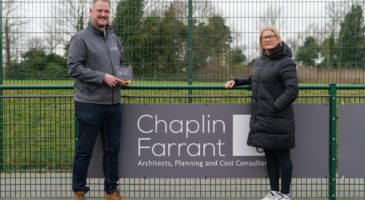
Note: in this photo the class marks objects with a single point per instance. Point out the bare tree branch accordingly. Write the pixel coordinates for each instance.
(271, 17)
(12, 24)
(69, 16)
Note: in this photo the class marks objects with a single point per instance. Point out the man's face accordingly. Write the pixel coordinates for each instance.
(100, 14)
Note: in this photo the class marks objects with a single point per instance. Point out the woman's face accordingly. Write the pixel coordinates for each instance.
(269, 40)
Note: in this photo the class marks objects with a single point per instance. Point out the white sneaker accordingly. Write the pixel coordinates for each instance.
(284, 196)
(272, 196)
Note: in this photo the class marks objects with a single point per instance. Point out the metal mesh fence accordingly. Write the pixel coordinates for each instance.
(168, 42)
(188, 41)
(38, 143)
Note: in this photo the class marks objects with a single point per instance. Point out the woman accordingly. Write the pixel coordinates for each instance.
(274, 88)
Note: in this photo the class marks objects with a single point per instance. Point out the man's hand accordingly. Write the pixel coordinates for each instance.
(111, 80)
(124, 82)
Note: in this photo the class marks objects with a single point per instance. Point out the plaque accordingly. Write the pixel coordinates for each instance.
(125, 73)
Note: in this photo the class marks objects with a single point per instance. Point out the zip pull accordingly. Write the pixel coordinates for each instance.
(259, 150)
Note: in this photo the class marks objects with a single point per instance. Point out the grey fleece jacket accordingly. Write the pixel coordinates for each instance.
(92, 54)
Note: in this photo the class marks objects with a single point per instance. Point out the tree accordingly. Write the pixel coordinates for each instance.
(308, 53)
(127, 26)
(11, 29)
(37, 64)
(329, 47)
(236, 57)
(329, 52)
(157, 44)
(128, 19)
(351, 38)
(211, 38)
(336, 11)
(271, 17)
(72, 16)
(211, 43)
(218, 35)
(173, 35)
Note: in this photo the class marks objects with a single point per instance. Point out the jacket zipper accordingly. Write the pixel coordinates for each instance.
(257, 91)
(106, 45)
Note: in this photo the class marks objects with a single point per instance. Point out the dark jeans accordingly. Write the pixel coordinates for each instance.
(279, 164)
(92, 119)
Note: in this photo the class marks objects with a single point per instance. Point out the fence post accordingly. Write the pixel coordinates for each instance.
(332, 141)
(190, 48)
(1, 92)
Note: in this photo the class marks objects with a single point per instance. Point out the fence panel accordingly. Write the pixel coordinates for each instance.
(198, 42)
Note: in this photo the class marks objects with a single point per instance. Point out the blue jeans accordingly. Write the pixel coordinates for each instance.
(92, 119)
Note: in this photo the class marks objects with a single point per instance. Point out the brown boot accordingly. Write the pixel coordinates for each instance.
(114, 196)
(79, 195)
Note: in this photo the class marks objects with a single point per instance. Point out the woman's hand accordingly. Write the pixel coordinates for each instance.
(229, 84)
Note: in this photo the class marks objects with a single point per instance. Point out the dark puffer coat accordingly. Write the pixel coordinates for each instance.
(274, 86)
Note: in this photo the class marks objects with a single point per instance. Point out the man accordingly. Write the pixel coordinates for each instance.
(94, 58)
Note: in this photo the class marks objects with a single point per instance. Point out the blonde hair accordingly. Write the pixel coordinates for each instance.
(269, 28)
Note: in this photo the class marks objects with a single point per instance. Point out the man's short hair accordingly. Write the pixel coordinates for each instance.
(107, 1)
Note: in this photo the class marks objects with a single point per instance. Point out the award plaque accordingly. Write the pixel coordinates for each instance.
(125, 73)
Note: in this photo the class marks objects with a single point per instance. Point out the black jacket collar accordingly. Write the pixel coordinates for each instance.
(279, 51)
